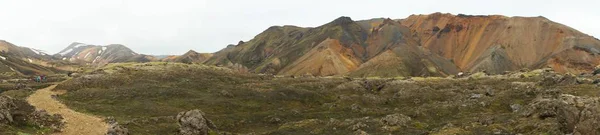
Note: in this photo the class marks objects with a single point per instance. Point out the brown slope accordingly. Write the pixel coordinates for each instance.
(393, 52)
(477, 43)
(277, 47)
(327, 59)
(420, 45)
(189, 57)
(17, 60)
(336, 48)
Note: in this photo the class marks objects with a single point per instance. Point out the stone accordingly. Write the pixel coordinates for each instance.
(475, 96)
(360, 132)
(358, 126)
(515, 107)
(116, 129)
(395, 120)
(194, 123)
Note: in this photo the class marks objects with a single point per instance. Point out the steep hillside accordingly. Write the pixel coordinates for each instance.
(498, 43)
(336, 48)
(16, 60)
(420, 45)
(189, 57)
(100, 55)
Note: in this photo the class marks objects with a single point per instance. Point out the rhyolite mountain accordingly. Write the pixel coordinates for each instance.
(100, 55)
(339, 47)
(420, 45)
(17, 60)
(498, 43)
(189, 57)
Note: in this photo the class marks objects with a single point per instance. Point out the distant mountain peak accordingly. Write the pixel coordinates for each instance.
(191, 52)
(100, 54)
(342, 21)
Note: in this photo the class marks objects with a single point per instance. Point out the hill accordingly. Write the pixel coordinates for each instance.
(189, 57)
(420, 45)
(498, 43)
(16, 60)
(100, 55)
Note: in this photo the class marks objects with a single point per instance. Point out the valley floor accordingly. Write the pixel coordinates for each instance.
(146, 98)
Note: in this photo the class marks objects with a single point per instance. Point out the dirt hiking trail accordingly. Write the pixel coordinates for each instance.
(76, 123)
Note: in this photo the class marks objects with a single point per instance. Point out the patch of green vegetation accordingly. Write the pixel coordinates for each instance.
(9, 88)
(23, 130)
(145, 99)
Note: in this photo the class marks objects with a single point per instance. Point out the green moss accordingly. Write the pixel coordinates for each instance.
(138, 95)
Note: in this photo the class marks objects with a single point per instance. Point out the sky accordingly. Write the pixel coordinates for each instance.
(162, 27)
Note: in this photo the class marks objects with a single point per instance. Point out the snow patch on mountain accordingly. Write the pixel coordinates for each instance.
(86, 55)
(78, 45)
(66, 52)
(39, 52)
(97, 57)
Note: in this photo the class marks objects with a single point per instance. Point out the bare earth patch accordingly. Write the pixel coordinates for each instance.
(76, 123)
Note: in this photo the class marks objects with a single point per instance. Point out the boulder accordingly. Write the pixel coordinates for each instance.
(577, 115)
(596, 72)
(115, 128)
(568, 79)
(14, 110)
(395, 120)
(596, 81)
(17, 111)
(194, 123)
(360, 132)
(43, 119)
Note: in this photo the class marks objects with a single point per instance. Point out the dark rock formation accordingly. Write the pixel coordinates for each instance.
(194, 123)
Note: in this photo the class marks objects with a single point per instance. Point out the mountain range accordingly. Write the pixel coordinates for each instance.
(420, 45)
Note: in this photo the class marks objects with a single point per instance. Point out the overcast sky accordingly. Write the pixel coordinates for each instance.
(176, 26)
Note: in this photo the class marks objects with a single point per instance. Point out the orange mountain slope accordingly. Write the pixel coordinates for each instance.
(420, 45)
(499, 43)
(189, 57)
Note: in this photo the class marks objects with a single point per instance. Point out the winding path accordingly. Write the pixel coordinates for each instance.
(76, 123)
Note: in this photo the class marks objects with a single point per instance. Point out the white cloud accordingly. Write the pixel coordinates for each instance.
(173, 27)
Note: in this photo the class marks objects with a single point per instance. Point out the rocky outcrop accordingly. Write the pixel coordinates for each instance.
(19, 112)
(576, 115)
(115, 128)
(7, 105)
(395, 120)
(189, 57)
(14, 110)
(194, 123)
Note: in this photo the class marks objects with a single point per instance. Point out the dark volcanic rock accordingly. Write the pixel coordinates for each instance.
(13, 110)
(19, 112)
(115, 128)
(577, 115)
(194, 123)
(395, 120)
